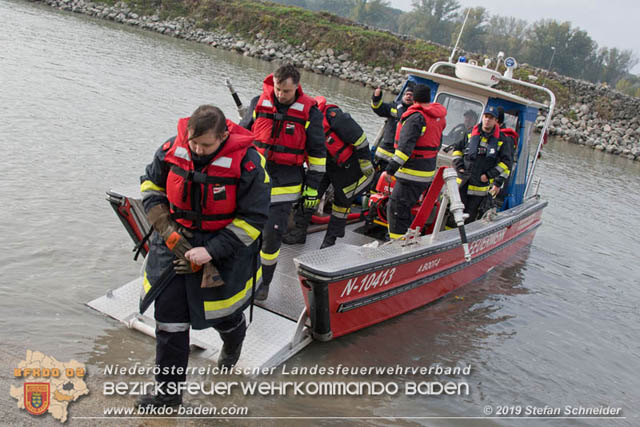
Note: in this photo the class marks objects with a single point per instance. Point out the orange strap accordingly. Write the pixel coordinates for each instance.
(173, 240)
(195, 267)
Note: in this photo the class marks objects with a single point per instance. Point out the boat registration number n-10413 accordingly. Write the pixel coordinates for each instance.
(368, 281)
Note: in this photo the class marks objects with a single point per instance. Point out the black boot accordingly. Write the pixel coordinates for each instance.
(335, 229)
(328, 241)
(160, 400)
(232, 347)
(263, 292)
(298, 234)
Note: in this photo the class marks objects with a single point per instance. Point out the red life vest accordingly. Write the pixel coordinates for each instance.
(281, 138)
(428, 144)
(218, 181)
(336, 147)
(512, 134)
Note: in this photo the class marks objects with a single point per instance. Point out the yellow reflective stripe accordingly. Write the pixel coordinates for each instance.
(423, 130)
(318, 161)
(150, 186)
(417, 172)
(226, 303)
(145, 283)
(249, 229)
(383, 152)
(349, 188)
(269, 257)
(458, 181)
(401, 155)
(360, 140)
(395, 236)
(263, 163)
(339, 208)
(499, 143)
(479, 189)
(457, 153)
(503, 166)
(306, 125)
(394, 111)
(254, 114)
(275, 191)
(376, 106)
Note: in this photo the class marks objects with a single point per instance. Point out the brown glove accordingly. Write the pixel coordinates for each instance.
(211, 277)
(173, 235)
(182, 266)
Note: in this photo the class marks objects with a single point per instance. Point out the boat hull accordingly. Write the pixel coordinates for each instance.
(382, 290)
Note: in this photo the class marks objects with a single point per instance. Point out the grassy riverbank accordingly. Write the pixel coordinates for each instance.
(319, 30)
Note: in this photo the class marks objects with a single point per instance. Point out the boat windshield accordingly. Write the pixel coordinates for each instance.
(462, 115)
(511, 121)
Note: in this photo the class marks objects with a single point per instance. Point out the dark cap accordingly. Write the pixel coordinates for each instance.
(410, 87)
(493, 111)
(421, 93)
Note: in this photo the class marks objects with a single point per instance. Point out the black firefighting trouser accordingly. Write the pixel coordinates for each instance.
(471, 203)
(272, 239)
(404, 196)
(340, 177)
(172, 331)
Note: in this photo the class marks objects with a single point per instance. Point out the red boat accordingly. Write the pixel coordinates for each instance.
(363, 279)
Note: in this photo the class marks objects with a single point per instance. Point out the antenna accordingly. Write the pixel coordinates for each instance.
(500, 58)
(453, 52)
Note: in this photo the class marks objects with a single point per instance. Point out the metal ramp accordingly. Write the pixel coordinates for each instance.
(271, 338)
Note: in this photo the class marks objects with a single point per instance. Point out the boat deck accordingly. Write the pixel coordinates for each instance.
(285, 296)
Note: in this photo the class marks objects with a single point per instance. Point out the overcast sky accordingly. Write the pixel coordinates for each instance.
(611, 23)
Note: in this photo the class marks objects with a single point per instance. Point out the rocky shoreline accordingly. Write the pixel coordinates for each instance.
(598, 117)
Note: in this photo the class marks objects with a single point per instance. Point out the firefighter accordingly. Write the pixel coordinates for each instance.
(287, 126)
(483, 160)
(392, 112)
(418, 139)
(349, 170)
(206, 194)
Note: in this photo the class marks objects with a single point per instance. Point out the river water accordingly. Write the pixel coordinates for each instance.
(85, 103)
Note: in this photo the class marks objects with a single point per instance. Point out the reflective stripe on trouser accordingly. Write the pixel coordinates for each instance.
(471, 203)
(339, 212)
(474, 190)
(275, 227)
(404, 196)
(415, 175)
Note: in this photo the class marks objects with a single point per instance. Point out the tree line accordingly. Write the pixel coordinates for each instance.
(546, 43)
